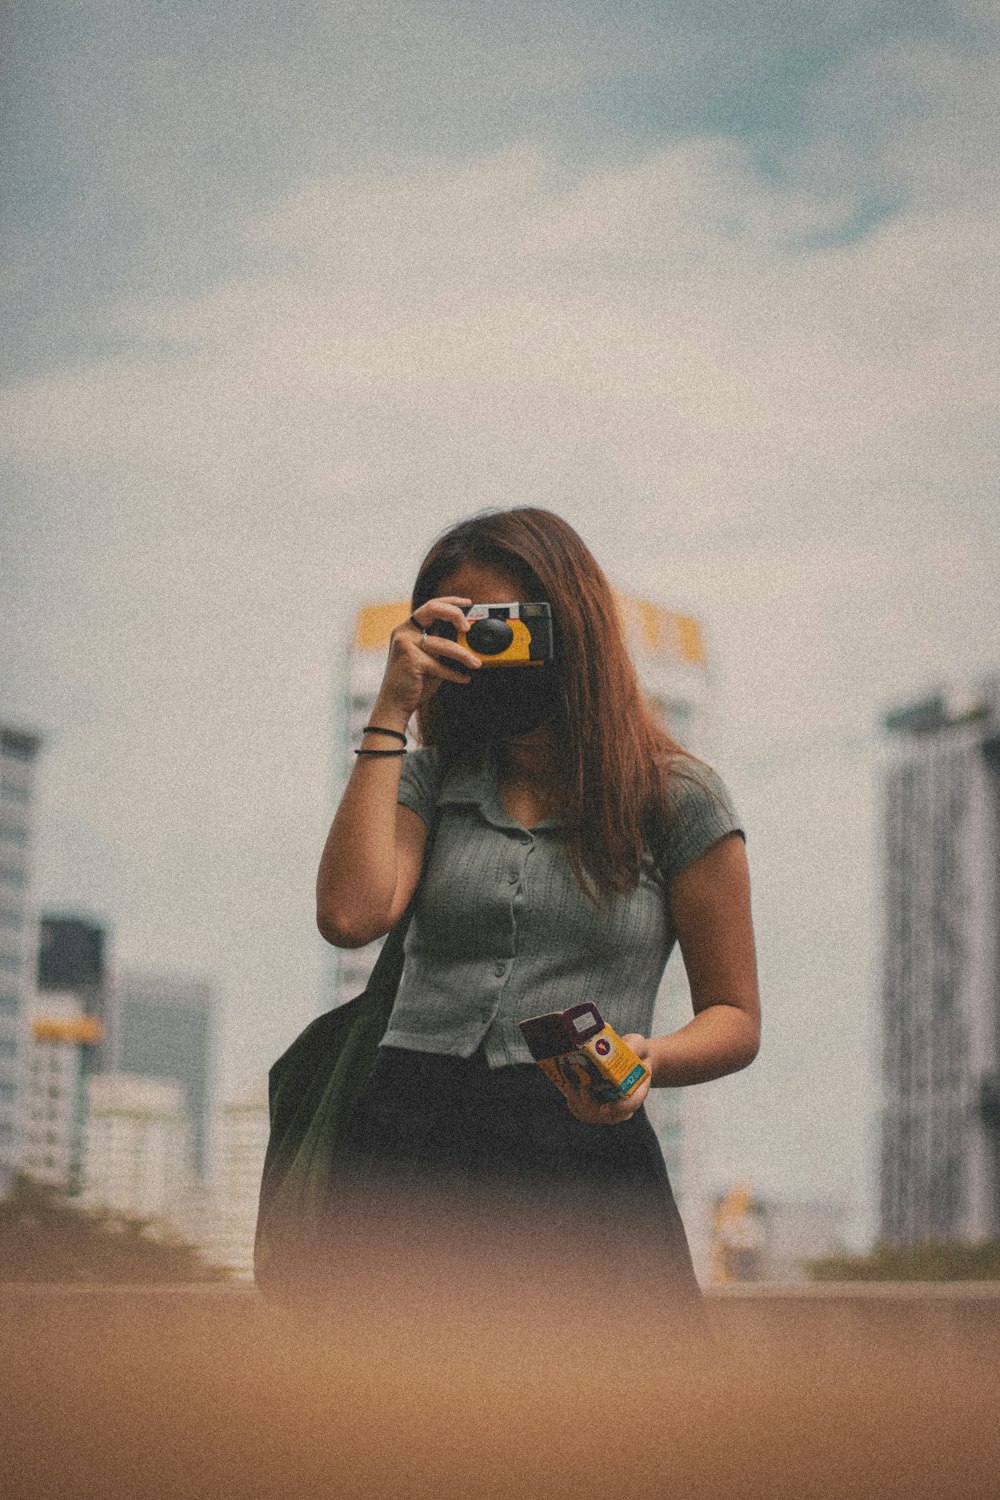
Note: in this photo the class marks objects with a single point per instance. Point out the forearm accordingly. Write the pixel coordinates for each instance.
(358, 869)
(720, 1039)
(371, 863)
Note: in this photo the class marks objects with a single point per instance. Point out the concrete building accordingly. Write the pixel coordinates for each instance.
(18, 935)
(940, 971)
(137, 1157)
(72, 960)
(163, 1025)
(61, 1035)
(243, 1142)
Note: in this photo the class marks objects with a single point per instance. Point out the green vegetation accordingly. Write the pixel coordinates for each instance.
(45, 1237)
(929, 1262)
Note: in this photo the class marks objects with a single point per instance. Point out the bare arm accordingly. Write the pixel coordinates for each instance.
(373, 853)
(371, 860)
(710, 903)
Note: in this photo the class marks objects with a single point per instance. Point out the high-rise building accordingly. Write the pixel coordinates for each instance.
(243, 1143)
(940, 971)
(18, 935)
(71, 960)
(670, 657)
(61, 1035)
(136, 1155)
(163, 1025)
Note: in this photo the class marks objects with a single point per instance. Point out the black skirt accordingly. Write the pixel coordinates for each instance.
(497, 1155)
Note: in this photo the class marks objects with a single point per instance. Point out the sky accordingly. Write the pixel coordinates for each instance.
(289, 289)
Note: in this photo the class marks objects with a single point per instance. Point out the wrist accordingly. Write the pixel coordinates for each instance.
(389, 715)
(660, 1061)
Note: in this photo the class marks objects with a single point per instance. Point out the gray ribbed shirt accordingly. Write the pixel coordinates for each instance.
(502, 931)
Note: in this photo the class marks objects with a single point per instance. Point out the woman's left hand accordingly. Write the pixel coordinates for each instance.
(586, 1108)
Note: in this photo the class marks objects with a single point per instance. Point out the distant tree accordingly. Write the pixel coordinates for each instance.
(45, 1236)
(929, 1262)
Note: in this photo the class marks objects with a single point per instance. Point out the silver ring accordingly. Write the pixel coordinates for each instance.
(423, 637)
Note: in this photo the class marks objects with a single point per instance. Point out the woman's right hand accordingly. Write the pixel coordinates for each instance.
(419, 663)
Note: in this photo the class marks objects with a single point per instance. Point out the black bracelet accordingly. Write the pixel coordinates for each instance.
(377, 729)
(380, 752)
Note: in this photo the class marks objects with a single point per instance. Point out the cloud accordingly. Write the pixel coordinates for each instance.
(652, 340)
(746, 408)
(141, 136)
(658, 328)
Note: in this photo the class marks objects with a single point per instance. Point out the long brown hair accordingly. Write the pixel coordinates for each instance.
(611, 758)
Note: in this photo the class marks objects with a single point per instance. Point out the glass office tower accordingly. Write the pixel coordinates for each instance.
(18, 936)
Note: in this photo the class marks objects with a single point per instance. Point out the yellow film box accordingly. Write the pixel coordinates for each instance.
(576, 1047)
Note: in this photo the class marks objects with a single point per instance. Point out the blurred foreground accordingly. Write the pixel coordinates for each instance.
(452, 1378)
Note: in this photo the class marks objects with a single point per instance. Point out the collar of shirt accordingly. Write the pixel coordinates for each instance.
(478, 785)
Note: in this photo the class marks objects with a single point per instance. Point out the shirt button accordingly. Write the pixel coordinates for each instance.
(499, 969)
(513, 875)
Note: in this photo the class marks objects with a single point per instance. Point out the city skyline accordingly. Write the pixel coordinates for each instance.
(711, 287)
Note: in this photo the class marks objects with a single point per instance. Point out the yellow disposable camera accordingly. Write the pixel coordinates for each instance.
(577, 1048)
(506, 635)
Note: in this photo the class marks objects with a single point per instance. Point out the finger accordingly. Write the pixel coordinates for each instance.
(419, 654)
(437, 645)
(583, 1106)
(639, 1044)
(431, 667)
(617, 1114)
(448, 608)
(616, 1111)
(635, 1097)
(611, 1114)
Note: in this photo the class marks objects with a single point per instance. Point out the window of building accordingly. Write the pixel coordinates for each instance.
(9, 1004)
(11, 919)
(6, 1090)
(16, 746)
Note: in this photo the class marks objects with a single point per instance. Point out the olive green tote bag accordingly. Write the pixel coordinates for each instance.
(313, 1089)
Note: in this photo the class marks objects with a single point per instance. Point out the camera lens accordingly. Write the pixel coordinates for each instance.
(490, 637)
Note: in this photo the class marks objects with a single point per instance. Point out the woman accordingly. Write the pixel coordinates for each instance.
(572, 843)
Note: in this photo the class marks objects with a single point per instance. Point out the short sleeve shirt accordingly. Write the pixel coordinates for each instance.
(501, 930)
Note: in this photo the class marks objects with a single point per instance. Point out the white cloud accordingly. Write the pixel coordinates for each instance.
(800, 445)
(656, 329)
